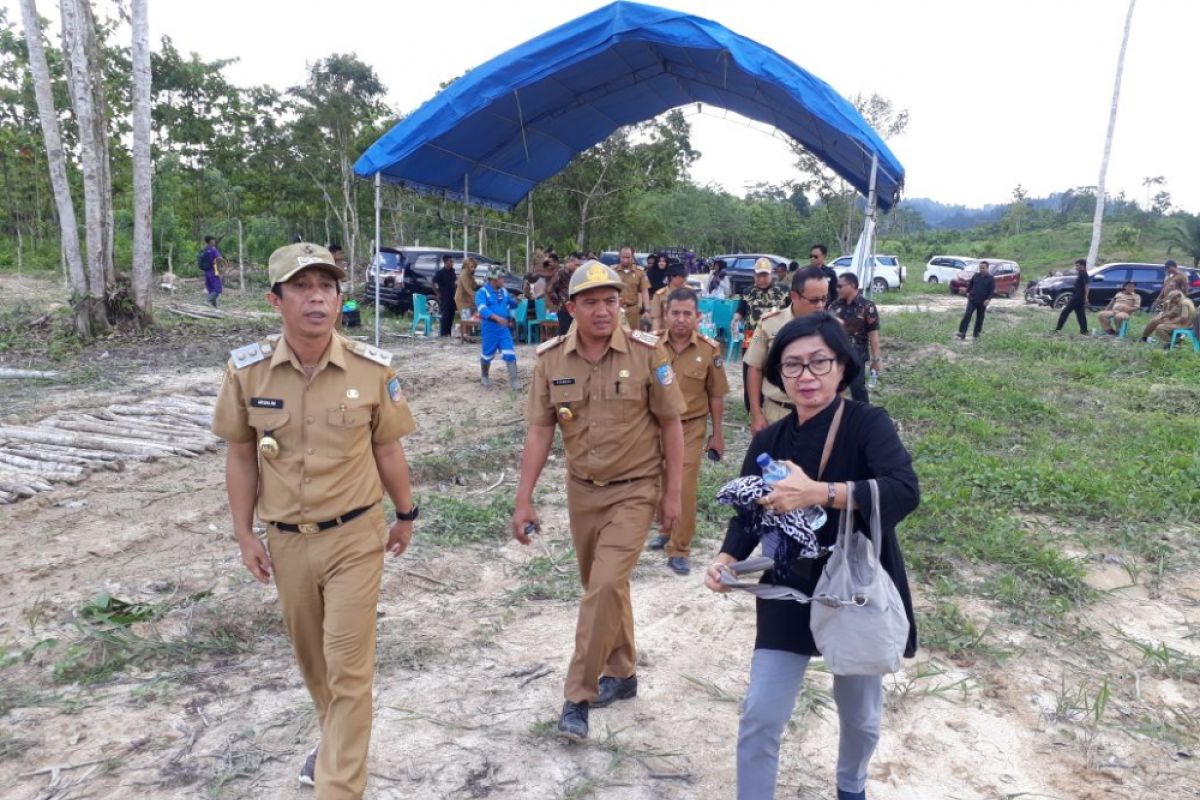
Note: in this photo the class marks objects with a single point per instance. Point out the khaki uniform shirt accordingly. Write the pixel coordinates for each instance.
(700, 372)
(1173, 282)
(1125, 301)
(756, 356)
(609, 411)
(325, 427)
(464, 292)
(634, 280)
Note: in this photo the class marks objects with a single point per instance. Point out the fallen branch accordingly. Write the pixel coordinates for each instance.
(493, 486)
(7, 372)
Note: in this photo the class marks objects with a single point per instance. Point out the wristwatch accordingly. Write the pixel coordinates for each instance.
(408, 516)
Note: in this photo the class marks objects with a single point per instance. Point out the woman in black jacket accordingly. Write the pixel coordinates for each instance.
(812, 360)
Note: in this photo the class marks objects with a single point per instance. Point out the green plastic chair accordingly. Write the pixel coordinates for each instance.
(1184, 333)
(533, 327)
(722, 317)
(421, 315)
(520, 314)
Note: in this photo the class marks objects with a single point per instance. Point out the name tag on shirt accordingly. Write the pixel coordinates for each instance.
(266, 402)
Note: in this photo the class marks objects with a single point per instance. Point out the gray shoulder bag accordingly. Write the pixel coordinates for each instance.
(857, 616)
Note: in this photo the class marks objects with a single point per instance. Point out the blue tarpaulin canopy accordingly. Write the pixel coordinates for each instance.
(520, 118)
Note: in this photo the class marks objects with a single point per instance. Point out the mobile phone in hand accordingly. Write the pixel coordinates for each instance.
(713, 455)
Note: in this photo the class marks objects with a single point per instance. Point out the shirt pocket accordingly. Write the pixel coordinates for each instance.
(624, 399)
(264, 420)
(569, 395)
(345, 431)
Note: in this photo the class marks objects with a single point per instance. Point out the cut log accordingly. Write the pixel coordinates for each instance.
(51, 436)
(8, 372)
(55, 457)
(91, 456)
(34, 465)
(147, 437)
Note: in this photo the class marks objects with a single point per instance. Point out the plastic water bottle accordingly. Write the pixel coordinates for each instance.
(873, 379)
(772, 471)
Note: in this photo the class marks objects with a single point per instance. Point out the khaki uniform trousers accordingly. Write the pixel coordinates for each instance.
(1166, 324)
(693, 452)
(608, 526)
(631, 318)
(1108, 318)
(774, 411)
(328, 591)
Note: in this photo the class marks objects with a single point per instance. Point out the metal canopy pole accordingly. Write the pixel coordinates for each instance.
(529, 231)
(466, 217)
(870, 243)
(378, 255)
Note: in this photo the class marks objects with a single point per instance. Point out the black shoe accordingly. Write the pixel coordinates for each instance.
(658, 542)
(308, 772)
(680, 565)
(961, 336)
(612, 689)
(844, 795)
(573, 723)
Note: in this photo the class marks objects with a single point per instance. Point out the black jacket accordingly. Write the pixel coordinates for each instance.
(445, 281)
(981, 287)
(866, 447)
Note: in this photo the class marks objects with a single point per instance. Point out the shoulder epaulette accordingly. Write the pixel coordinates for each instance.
(663, 290)
(770, 314)
(250, 354)
(371, 353)
(712, 342)
(648, 339)
(549, 344)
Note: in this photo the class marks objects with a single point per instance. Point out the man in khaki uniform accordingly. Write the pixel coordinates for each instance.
(616, 399)
(1120, 308)
(696, 360)
(769, 403)
(676, 279)
(313, 421)
(635, 289)
(1177, 312)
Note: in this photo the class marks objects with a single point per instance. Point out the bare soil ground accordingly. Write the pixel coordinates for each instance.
(475, 633)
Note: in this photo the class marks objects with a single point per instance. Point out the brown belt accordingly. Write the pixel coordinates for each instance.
(788, 406)
(601, 484)
(317, 527)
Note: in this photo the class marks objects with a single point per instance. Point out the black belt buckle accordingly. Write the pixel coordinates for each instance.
(317, 527)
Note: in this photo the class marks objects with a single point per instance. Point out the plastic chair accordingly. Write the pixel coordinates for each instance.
(520, 314)
(540, 315)
(706, 305)
(734, 351)
(722, 317)
(421, 315)
(1124, 332)
(1182, 333)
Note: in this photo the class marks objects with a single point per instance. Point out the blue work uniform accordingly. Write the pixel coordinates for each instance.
(496, 337)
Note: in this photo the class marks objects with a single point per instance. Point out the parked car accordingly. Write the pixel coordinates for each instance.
(405, 271)
(1107, 280)
(739, 267)
(1006, 273)
(943, 269)
(888, 275)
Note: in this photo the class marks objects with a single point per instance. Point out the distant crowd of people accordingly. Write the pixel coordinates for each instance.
(1175, 310)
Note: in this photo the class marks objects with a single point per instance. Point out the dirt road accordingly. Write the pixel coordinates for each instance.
(203, 700)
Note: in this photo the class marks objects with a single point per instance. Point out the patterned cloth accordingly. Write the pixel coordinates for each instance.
(859, 317)
(759, 301)
(784, 537)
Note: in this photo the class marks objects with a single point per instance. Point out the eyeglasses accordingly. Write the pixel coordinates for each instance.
(818, 367)
(816, 301)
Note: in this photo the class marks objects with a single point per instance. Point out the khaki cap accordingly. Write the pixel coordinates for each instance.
(764, 265)
(287, 261)
(592, 275)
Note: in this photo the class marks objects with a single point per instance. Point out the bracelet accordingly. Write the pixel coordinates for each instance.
(832, 493)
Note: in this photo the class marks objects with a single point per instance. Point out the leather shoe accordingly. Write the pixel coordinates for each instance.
(612, 689)
(680, 565)
(573, 724)
(658, 542)
(844, 795)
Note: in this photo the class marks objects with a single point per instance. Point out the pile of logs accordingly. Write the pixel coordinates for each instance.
(208, 312)
(68, 446)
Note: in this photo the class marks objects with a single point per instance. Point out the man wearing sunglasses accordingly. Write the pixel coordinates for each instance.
(768, 403)
(816, 258)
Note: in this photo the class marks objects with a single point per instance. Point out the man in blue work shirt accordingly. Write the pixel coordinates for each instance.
(494, 303)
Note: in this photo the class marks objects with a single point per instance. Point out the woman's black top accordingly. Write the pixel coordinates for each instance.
(866, 447)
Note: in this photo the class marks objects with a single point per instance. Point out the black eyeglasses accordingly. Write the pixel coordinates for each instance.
(818, 367)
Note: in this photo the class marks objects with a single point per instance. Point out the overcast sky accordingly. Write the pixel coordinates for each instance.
(1000, 92)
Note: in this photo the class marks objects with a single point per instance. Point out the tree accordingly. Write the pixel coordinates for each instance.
(1018, 210)
(338, 107)
(1098, 217)
(1150, 183)
(143, 237)
(880, 113)
(83, 79)
(57, 162)
(1185, 234)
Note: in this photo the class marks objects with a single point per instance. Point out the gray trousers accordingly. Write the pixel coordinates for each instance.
(775, 679)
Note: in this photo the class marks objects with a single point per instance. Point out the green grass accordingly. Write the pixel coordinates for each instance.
(1029, 447)
(447, 520)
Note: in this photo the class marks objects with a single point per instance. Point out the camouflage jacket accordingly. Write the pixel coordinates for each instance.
(760, 301)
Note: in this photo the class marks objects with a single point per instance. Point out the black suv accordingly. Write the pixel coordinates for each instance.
(406, 271)
(1107, 280)
(740, 268)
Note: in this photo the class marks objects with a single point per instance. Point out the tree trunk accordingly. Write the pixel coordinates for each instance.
(99, 122)
(57, 162)
(1098, 217)
(143, 241)
(78, 71)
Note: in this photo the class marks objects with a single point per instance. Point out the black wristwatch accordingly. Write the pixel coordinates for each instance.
(408, 516)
